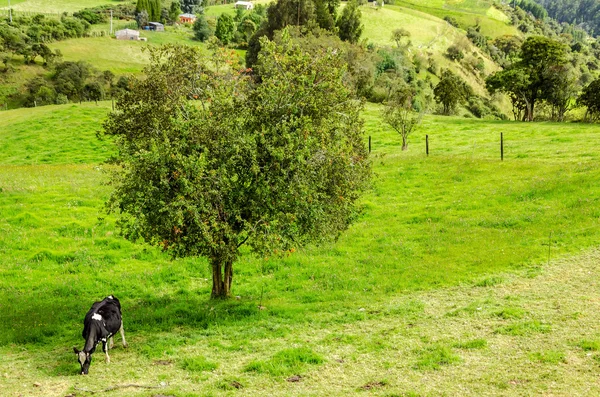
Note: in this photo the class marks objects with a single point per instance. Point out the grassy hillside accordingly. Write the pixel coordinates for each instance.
(346, 318)
(54, 6)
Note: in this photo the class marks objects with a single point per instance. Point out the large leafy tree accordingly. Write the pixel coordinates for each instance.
(541, 58)
(208, 163)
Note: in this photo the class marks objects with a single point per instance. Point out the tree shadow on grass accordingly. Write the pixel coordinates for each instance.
(36, 318)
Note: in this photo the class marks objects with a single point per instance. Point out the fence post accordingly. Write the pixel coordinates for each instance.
(427, 144)
(369, 143)
(501, 146)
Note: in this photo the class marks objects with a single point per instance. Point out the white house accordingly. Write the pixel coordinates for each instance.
(127, 34)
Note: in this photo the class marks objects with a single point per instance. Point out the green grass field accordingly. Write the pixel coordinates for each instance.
(442, 287)
(54, 6)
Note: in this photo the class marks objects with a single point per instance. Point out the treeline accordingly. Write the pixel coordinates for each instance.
(585, 13)
(72, 82)
(27, 37)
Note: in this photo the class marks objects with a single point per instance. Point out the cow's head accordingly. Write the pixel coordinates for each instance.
(85, 359)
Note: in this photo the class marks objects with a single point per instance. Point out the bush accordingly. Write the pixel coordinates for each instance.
(452, 21)
(454, 53)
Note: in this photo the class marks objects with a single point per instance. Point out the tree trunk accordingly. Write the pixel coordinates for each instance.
(222, 277)
(404, 143)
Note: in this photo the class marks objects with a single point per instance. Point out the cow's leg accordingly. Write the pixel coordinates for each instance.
(112, 343)
(105, 350)
(123, 335)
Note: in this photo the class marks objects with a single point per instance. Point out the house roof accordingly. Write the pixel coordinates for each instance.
(155, 24)
(187, 15)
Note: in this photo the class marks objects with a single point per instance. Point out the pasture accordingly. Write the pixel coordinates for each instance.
(54, 6)
(464, 275)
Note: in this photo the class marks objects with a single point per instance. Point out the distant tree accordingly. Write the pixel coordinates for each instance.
(590, 98)
(93, 91)
(455, 53)
(191, 6)
(349, 23)
(280, 14)
(449, 91)
(174, 12)
(325, 19)
(273, 166)
(398, 113)
(152, 8)
(225, 28)
(201, 28)
(562, 91)
(142, 18)
(515, 83)
(70, 78)
(399, 34)
(531, 79)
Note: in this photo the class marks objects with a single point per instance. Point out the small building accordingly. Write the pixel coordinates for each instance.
(187, 18)
(155, 26)
(127, 34)
(244, 4)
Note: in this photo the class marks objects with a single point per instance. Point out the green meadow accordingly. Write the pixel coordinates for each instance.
(54, 6)
(464, 274)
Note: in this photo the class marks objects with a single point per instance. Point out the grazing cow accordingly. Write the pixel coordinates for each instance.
(102, 321)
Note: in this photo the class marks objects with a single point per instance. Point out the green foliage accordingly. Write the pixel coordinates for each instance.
(455, 53)
(286, 362)
(191, 6)
(225, 28)
(398, 113)
(590, 98)
(201, 28)
(244, 170)
(450, 91)
(349, 25)
(280, 14)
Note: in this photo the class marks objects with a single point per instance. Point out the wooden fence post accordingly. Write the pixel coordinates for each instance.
(427, 144)
(369, 143)
(501, 146)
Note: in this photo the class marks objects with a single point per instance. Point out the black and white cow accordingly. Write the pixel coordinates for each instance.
(102, 321)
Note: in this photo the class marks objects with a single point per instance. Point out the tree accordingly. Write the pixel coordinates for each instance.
(191, 6)
(349, 25)
(174, 11)
(398, 113)
(531, 78)
(225, 28)
(454, 53)
(272, 166)
(515, 83)
(93, 91)
(449, 91)
(399, 34)
(142, 18)
(280, 14)
(590, 98)
(151, 7)
(201, 28)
